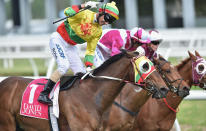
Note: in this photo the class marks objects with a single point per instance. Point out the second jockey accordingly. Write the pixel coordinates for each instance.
(149, 50)
(112, 40)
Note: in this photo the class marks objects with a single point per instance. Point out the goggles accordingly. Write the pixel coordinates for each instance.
(156, 42)
(108, 18)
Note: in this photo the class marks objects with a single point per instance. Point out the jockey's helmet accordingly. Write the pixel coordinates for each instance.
(140, 35)
(155, 37)
(110, 12)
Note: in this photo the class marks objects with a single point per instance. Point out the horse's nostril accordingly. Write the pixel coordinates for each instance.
(186, 88)
(201, 85)
(164, 91)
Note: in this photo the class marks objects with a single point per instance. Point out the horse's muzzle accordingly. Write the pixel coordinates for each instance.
(185, 91)
(202, 85)
(161, 93)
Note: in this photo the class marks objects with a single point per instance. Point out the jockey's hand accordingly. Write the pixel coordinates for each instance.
(93, 4)
(141, 51)
(89, 69)
(72, 14)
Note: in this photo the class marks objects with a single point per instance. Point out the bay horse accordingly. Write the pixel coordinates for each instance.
(158, 115)
(81, 107)
(123, 116)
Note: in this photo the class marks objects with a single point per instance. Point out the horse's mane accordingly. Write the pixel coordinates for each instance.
(109, 61)
(179, 66)
(163, 59)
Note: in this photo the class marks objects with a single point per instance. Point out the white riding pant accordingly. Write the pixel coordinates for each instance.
(99, 57)
(66, 55)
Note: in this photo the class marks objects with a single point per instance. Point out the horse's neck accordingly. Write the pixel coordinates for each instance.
(107, 90)
(132, 98)
(186, 72)
(173, 100)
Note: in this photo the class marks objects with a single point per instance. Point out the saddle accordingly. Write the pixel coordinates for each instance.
(67, 81)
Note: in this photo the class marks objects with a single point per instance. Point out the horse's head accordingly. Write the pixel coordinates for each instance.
(198, 70)
(148, 77)
(171, 77)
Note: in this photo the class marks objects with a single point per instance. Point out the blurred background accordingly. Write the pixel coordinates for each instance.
(36, 16)
(26, 25)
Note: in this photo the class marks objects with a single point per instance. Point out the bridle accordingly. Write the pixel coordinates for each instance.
(168, 82)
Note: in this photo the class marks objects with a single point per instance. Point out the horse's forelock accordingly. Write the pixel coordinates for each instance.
(162, 59)
(109, 61)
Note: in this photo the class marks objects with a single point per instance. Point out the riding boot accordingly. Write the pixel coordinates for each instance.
(43, 97)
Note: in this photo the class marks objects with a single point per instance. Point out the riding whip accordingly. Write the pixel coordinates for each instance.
(87, 7)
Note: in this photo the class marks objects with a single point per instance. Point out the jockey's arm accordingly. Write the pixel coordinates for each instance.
(90, 51)
(71, 11)
(116, 46)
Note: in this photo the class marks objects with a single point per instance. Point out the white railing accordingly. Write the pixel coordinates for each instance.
(24, 47)
(177, 42)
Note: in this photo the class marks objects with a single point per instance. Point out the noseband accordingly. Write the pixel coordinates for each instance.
(168, 82)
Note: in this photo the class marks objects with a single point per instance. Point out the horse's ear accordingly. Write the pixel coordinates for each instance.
(192, 56)
(161, 58)
(197, 54)
(130, 54)
(155, 60)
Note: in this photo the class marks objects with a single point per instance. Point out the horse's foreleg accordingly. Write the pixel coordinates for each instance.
(63, 124)
(7, 121)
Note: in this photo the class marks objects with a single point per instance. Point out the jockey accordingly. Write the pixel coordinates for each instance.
(82, 26)
(149, 50)
(112, 40)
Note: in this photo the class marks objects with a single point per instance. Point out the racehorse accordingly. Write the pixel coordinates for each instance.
(123, 116)
(195, 66)
(158, 115)
(81, 107)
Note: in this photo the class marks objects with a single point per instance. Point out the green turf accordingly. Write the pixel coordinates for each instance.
(23, 68)
(193, 115)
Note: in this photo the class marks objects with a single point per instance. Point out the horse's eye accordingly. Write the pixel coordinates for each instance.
(136, 53)
(168, 71)
(201, 68)
(146, 66)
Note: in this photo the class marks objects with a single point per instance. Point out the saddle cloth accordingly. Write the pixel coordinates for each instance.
(32, 108)
(29, 104)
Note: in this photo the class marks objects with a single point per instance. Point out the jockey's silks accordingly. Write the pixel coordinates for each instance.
(113, 40)
(140, 73)
(80, 28)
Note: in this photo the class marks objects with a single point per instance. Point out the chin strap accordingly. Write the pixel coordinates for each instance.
(174, 110)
